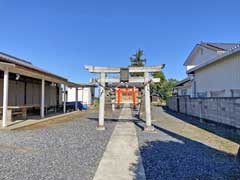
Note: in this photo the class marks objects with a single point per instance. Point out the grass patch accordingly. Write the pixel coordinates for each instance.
(54, 121)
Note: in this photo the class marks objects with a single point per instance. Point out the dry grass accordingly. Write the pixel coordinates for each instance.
(6, 147)
(51, 122)
(196, 133)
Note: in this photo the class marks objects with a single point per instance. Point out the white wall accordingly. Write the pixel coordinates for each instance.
(223, 75)
(84, 95)
(202, 55)
(190, 67)
(184, 91)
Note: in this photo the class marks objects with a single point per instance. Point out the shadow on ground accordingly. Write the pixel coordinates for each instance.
(183, 158)
(220, 130)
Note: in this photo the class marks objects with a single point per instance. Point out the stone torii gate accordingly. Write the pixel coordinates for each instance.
(124, 77)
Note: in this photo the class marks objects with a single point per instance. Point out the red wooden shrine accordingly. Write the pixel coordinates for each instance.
(126, 95)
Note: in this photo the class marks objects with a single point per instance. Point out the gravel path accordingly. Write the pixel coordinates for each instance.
(181, 151)
(70, 150)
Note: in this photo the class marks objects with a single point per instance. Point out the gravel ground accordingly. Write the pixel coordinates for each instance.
(70, 150)
(168, 155)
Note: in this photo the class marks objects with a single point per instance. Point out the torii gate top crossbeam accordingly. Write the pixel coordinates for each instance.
(95, 69)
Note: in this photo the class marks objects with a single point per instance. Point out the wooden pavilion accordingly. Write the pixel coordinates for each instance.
(26, 88)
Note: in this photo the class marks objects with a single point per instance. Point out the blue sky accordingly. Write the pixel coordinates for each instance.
(61, 36)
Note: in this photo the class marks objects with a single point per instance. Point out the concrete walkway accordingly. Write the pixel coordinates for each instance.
(122, 159)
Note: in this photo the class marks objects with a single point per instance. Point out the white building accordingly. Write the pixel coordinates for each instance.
(85, 93)
(213, 70)
(183, 88)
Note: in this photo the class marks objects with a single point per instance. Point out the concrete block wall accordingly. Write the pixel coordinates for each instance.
(182, 105)
(220, 110)
(172, 103)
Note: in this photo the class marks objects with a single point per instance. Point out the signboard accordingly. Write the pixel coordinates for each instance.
(124, 75)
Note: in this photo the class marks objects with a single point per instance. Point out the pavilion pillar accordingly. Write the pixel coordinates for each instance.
(64, 98)
(43, 98)
(76, 99)
(5, 98)
(82, 94)
(101, 102)
(148, 126)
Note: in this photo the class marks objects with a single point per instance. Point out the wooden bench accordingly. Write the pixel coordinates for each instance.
(16, 110)
(22, 110)
(47, 108)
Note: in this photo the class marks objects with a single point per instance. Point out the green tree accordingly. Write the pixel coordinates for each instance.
(138, 60)
(165, 87)
(159, 75)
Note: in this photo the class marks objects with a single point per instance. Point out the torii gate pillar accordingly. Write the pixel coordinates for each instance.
(148, 126)
(101, 102)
